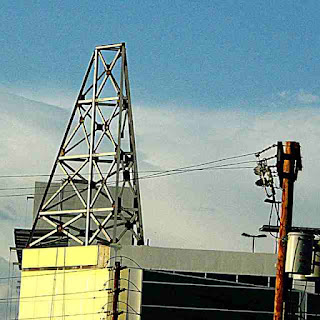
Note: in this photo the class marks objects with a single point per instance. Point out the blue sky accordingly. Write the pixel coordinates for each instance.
(210, 78)
(208, 54)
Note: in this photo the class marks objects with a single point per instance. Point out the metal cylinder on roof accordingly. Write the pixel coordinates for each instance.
(299, 253)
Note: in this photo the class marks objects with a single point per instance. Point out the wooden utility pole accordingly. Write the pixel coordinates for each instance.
(291, 160)
(116, 291)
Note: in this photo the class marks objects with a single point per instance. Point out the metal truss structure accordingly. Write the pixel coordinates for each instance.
(97, 162)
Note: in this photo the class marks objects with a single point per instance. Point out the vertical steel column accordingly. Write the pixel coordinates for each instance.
(135, 162)
(92, 145)
(117, 205)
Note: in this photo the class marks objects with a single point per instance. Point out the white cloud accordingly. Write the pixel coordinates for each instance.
(299, 97)
(208, 209)
(6, 293)
(235, 204)
(307, 98)
(284, 94)
(54, 96)
(30, 140)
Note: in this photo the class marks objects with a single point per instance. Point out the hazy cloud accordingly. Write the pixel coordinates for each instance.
(8, 289)
(172, 137)
(307, 98)
(8, 213)
(301, 97)
(172, 205)
(284, 94)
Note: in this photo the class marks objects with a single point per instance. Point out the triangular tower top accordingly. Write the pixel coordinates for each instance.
(98, 197)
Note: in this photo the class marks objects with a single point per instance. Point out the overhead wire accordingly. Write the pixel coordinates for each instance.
(186, 167)
(48, 175)
(64, 315)
(276, 207)
(71, 269)
(159, 173)
(84, 292)
(3, 300)
(215, 161)
(175, 172)
(122, 257)
(170, 172)
(184, 170)
(22, 298)
(73, 315)
(149, 270)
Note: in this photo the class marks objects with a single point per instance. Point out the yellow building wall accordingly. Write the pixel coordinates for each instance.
(75, 283)
(130, 299)
(61, 257)
(65, 283)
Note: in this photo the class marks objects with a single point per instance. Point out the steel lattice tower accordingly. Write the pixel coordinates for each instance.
(97, 161)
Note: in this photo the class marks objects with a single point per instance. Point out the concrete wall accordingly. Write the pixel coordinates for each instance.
(227, 262)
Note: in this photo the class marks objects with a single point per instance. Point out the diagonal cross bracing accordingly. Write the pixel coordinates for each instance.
(98, 197)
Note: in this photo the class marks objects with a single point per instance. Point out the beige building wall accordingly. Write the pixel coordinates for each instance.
(75, 283)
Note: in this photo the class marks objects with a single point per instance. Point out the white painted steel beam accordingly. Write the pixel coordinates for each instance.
(93, 154)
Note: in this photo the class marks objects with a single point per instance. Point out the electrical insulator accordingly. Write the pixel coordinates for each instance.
(257, 170)
(259, 183)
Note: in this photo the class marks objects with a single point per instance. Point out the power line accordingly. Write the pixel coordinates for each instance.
(141, 178)
(160, 174)
(66, 272)
(180, 170)
(156, 173)
(149, 270)
(76, 314)
(48, 175)
(64, 315)
(19, 298)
